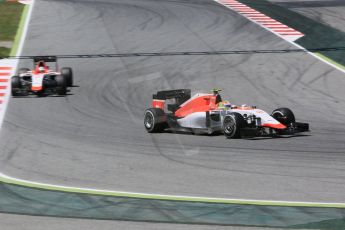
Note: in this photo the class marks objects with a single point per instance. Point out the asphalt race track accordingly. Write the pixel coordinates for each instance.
(95, 137)
(330, 12)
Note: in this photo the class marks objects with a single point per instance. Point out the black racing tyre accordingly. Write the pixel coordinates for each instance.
(15, 85)
(61, 88)
(68, 73)
(41, 94)
(155, 120)
(284, 116)
(23, 70)
(232, 125)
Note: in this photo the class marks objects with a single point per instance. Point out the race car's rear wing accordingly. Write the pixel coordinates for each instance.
(183, 94)
(45, 58)
(180, 96)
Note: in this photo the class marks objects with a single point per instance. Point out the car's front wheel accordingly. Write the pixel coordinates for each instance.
(68, 74)
(61, 88)
(15, 85)
(232, 125)
(284, 116)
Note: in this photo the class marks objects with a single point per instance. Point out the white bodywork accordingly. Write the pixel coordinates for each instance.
(195, 120)
(265, 118)
(198, 120)
(37, 80)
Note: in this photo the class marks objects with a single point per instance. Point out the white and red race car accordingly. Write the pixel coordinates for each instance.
(207, 113)
(42, 80)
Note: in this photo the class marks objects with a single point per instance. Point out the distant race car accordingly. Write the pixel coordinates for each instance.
(207, 113)
(41, 80)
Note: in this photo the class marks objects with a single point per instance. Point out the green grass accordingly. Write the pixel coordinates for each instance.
(4, 51)
(10, 14)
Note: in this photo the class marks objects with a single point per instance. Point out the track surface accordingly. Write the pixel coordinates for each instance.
(329, 12)
(95, 136)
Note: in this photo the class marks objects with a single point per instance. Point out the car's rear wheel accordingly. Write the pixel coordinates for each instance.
(232, 125)
(68, 73)
(154, 120)
(15, 85)
(284, 116)
(61, 88)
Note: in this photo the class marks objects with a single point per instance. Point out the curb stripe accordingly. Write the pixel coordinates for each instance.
(278, 26)
(5, 73)
(262, 20)
(5, 68)
(254, 14)
(258, 17)
(268, 24)
(284, 29)
(266, 20)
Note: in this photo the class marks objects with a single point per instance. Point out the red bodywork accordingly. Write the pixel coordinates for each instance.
(202, 103)
(156, 103)
(36, 72)
(40, 64)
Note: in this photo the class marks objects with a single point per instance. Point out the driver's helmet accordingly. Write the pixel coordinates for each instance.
(224, 105)
(41, 69)
(227, 104)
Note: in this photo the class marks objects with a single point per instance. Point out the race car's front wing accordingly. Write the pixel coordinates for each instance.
(291, 129)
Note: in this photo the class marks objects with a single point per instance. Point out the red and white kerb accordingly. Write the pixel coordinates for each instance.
(21, 1)
(5, 74)
(268, 23)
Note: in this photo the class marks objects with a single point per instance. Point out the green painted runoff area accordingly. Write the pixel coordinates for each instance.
(317, 35)
(10, 16)
(18, 199)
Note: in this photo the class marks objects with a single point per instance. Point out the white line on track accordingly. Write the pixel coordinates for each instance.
(91, 191)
